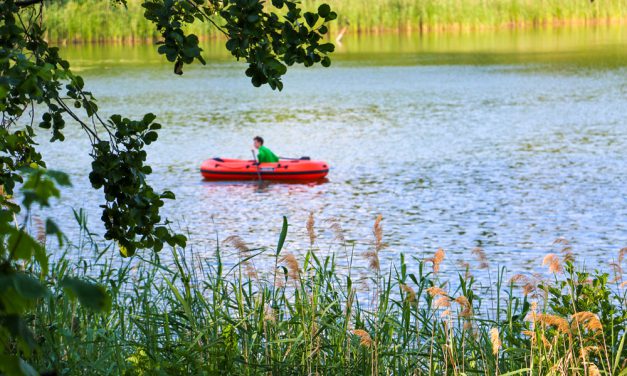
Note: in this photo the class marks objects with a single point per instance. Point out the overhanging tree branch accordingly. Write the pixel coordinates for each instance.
(27, 3)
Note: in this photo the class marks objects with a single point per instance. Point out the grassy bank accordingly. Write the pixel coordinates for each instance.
(94, 20)
(276, 312)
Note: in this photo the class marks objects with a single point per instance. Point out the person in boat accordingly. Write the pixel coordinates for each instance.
(264, 155)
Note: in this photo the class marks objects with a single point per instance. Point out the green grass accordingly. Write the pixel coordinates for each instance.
(431, 15)
(304, 313)
(95, 20)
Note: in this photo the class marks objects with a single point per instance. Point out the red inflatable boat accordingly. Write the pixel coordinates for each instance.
(302, 169)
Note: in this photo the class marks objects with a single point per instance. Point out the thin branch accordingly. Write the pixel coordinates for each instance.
(208, 18)
(27, 3)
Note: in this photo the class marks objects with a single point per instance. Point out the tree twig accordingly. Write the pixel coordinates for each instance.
(27, 3)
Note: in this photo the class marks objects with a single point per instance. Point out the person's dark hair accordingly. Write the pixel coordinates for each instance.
(257, 138)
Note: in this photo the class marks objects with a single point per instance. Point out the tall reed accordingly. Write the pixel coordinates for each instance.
(194, 313)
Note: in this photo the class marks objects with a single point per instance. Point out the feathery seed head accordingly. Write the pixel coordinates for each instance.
(435, 291)
(310, 228)
(481, 256)
(442, 302)
(365, 339)
(593, 370)
(292, 266)
(495, 340)
(411, 294)
(237, 243)
(373, 260)
(552, 320)
(555, 266)
(589, 321)
(466, 306)
(337, 230)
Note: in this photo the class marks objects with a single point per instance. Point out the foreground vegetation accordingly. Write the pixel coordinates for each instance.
(311, 314)
(93, 20)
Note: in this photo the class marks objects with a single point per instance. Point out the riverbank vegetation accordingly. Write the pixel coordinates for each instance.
(246, 311)
(93, 20)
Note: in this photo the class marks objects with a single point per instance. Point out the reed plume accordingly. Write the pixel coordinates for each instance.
(566, 250)
(528, 284)
(336, 228)
(552, 320)
(589, 321)
(237, 243)
(373, 255)
(310, 228)
(364, 338)
(593, 370)
(442, 302)
(481, 257)
(242, 248)
(495, 340)
(617, 266)
(293, 269)
(435, 291)
(41, 230)
(378, 233)
(269, 315)
(583, 353)
(373, 260)
(437, 259)
(466, 267)
(411, 294)
(555, 266)
(464, 303)
(529, 333)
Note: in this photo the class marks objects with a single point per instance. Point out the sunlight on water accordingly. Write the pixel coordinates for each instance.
(505, 141)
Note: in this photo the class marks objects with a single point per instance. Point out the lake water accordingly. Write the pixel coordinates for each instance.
(503, 140)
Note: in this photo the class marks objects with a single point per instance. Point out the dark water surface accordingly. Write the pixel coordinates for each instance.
(505, 141)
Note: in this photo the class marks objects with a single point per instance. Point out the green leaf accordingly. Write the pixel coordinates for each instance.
(324, 10)
(151, 137)
(282, 236)
(232, 44)
(326, 47)
(90, 295)
(27, 286)
(22, 245)
(53, 229)
(126, 251)
(311, 18)
(168, 195)
(12, 365)
(149, 118)
(180, 240)
(60, 177)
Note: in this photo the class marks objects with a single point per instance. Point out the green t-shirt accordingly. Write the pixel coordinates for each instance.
(266, 155)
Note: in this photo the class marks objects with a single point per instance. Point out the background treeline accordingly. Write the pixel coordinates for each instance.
(96, 20)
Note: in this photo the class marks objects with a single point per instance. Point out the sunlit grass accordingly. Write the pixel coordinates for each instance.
(94, 20)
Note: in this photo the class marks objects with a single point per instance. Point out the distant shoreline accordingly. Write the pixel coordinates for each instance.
(96, 21)
(456, 28)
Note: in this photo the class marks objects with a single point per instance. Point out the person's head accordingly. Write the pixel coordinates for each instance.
(257, 142)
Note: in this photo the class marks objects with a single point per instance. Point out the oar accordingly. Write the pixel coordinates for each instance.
(296, 159)
(257, 164)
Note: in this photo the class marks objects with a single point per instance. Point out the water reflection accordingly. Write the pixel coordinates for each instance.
(505, 142)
